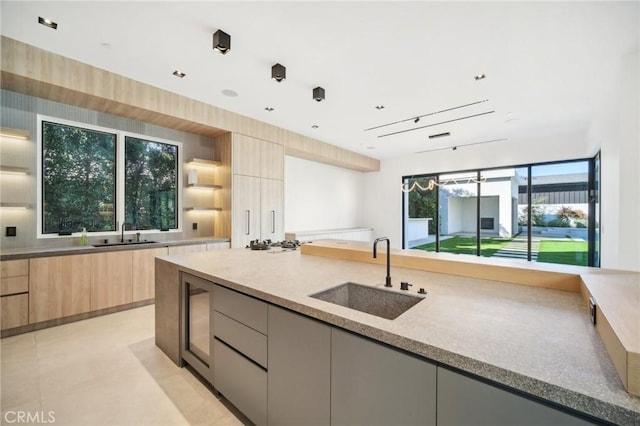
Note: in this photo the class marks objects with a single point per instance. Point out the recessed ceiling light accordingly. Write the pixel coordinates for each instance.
(47, 23)
(179, 74)
(480, 77)
(230, 93)
(269, 109)
(416, 120)
(379, 106)
(106, 45)
(371, 147)
(315, 126)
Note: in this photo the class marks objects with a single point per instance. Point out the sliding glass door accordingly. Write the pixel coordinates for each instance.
(540, 212)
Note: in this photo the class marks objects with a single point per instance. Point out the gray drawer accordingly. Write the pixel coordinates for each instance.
(242, 308)
(242, 382)
(240, 337)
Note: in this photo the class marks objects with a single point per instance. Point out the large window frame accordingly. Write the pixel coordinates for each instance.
(120, 177)
(594, 184)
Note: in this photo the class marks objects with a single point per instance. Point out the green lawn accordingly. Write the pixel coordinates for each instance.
(467, 245)
(568, 252)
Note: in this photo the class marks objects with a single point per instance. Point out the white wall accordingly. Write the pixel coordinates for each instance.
(319, 196)
(617, 133)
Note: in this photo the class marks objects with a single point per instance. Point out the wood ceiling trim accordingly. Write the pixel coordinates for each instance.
(36, 72)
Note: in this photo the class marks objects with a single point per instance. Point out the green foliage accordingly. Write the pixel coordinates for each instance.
(150, 184)
(78, 168)
(422, 203)
(559, 223)
(537, 213)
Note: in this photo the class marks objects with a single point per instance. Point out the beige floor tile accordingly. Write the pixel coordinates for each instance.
(104, 371)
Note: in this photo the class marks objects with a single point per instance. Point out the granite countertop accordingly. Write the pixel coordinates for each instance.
(538, 341)
(34, 252)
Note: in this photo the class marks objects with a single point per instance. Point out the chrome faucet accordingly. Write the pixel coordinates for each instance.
(387, 281)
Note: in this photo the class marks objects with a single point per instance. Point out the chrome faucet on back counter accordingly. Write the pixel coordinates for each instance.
(387, 281)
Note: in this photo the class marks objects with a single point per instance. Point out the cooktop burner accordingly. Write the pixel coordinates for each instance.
(268, 244)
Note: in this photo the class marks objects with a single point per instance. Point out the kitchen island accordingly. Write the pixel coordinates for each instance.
(534, 342)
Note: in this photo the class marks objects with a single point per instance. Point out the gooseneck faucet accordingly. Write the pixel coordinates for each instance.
(124, 225)
(387, 281)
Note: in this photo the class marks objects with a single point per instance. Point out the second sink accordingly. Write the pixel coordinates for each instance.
(372, 300)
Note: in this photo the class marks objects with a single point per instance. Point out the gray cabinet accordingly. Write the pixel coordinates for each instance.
(372, 384)
(465, 401)
(299, 353)
(240, 348)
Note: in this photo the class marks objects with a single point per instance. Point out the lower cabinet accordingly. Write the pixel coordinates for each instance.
(143, 272)
(299, 370)
(111, 279)
(14, 310)
(465, 401)
(240, 381)
(372, 384)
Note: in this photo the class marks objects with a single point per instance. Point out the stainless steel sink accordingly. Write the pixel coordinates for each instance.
(372, 300)
(126, 243)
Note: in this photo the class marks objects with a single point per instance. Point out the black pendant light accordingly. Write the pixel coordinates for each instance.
(278, 72)
(221, 42)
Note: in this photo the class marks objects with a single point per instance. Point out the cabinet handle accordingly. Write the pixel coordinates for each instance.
(248, 222)
(273, 221)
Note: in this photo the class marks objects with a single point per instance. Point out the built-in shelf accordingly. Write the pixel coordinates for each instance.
(14, 206)
(208, 209)
(204, 185)
(204, 163)
(10, 170)
(8, 132)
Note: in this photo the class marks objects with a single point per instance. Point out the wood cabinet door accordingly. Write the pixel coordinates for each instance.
(59, 287)
(271, 161)
(245, 223)
(111, 279)
(143, 272)
(246, 155)
(14, 311)
(271, 209)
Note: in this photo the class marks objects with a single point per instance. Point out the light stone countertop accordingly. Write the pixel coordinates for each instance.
(45, 251)
(538, 341)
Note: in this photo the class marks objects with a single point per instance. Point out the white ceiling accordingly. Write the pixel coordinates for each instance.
(549, 66)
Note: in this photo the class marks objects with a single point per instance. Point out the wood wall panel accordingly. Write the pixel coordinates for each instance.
(222, 197)
(30, 70)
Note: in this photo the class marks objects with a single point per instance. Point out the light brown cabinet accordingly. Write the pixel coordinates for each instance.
(111, 279)
(143, 272)
(14, 300)
(59, 287)
(258, 191)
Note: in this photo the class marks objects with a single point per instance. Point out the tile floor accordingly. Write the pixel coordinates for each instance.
(103, 371)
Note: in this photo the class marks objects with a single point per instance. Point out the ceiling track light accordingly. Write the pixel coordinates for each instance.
(47, 23)
(318, 94)
(221, 42)
(440, 135)
(278, 72)
(179, 74)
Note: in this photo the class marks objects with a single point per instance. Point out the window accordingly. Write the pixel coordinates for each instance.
(96, 178)
(78, 179)
(151, 183)
(537, 212)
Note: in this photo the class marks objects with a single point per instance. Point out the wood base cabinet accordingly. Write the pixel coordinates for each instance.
(111, 279)
(299, 370)
(59, 287)
(372, 384)
(14, 293)
(143, 273)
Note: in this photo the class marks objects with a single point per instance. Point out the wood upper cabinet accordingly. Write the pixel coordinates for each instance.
(59, 286)
(143, 272)
(256, 157)
(111, 279)
(245, 223)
